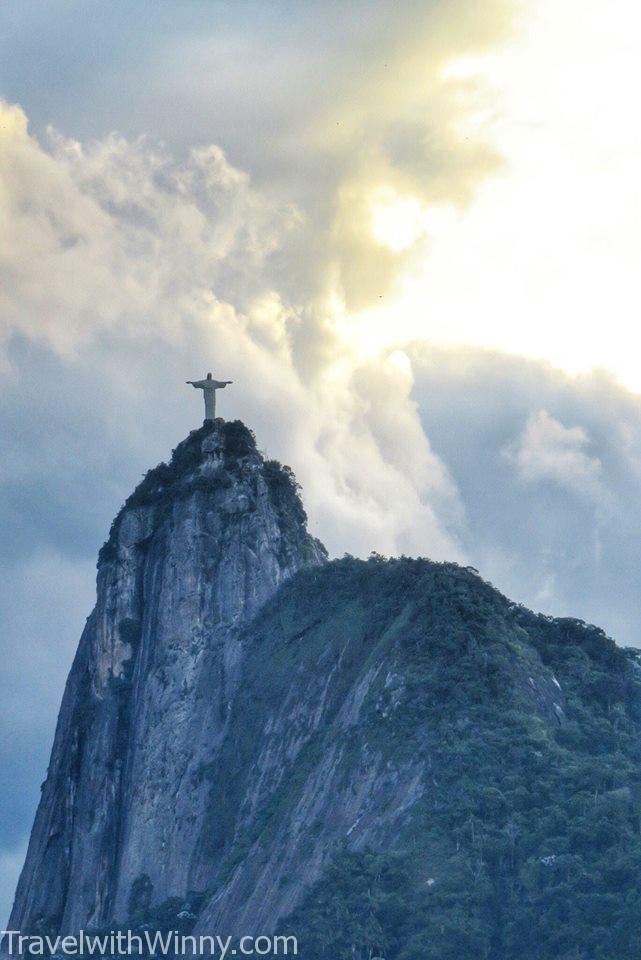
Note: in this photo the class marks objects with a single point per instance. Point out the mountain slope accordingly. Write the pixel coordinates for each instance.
(451, 774)
(381, 757)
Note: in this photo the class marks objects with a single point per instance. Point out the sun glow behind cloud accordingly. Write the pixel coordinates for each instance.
(397, 221)
(545, 262)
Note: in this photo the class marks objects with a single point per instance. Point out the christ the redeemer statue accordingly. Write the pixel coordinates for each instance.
(209, 387)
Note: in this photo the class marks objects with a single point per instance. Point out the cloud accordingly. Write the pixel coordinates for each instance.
(396, 142)
(548, 451)
(119, 237)
(324, 109)
(125, 267)
(554, 522)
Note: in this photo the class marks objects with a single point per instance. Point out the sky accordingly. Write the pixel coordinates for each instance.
(407, 231)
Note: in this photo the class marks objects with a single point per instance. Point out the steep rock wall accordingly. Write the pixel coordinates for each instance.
(197, 549)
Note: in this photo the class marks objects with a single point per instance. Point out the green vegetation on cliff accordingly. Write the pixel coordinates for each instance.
(525, 842)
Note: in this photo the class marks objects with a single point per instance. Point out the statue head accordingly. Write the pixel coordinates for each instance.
(209, 376)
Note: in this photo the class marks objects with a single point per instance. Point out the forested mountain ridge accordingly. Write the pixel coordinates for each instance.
(523, 839)
(382, 757)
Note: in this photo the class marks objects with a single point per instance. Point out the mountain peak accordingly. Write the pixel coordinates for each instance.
(218, 455)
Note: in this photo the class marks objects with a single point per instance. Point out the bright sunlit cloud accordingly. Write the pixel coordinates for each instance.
(397, 222)
(545, 262)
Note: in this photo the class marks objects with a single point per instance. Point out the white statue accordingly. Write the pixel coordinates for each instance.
(209, 387)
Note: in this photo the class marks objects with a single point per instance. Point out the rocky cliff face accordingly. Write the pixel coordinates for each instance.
(381, 757)
(197, 549)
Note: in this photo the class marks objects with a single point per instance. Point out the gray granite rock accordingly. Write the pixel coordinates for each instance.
(197, 549)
